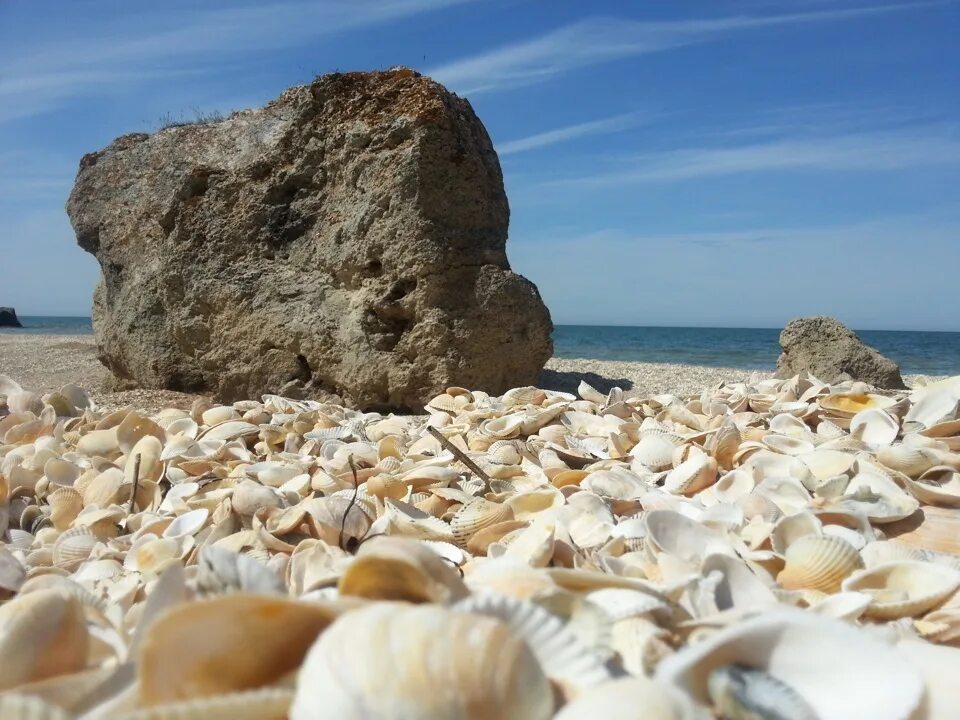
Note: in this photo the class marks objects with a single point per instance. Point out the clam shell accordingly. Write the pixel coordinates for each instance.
(818, 563)
(911, 461)
(376, 660)
(692, 475)
(874, 427)
(904, 588)
(790, 528)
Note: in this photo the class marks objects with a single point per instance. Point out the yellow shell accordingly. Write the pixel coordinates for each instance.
(389, 568)
(818, 562)
(231, 643)
(65, 504)
(42, 634)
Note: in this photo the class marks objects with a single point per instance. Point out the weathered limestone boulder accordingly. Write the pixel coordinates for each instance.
(8, 317)
(347, 239)
(830, 350)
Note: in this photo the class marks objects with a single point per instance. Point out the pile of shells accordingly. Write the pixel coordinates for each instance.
(775, 548)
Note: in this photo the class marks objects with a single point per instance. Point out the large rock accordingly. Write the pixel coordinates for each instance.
(830, 350)
(8, 317)
(349, 238)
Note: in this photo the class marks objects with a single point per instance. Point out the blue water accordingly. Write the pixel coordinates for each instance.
(922, 353)
(51, 325)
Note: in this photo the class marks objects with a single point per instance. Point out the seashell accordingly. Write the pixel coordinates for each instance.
(219, 414)
(104, 489)
(250, 496)
(383, 486)
(739, 589)
(42, 634)
(408, 521)
(825, 464)
(672, 533)
(874, 427)
(264, 704)
(357, 669)
(150, 555)
(99, 443)
(811, 655)
(524, 396)
(911, 461)
(401, 569)
(190, 523)
(654, 452)
(932, 404)
(692, 475)
(724, 444)
(73, 546)
(787, 445)
(850, 403)
(847, 606)
(61, 472)
(878, 497)
(619, 700)
(738, 690)
(16, 706)
(904, 588)
(226, 644)
(230, 430)
(65, 504)
(790, 528)
(937, 486)
(818, 563)
(475, 516)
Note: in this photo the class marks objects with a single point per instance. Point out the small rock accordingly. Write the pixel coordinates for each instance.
(8, 317)
(830, 350)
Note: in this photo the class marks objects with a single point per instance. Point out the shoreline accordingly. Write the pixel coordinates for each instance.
(43, 363)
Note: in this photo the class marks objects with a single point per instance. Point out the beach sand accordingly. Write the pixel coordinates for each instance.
(43, 363)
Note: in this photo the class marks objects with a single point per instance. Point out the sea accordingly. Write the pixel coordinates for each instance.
(918, 353)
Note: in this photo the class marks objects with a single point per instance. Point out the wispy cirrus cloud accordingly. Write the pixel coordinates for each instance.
(199, 40)
(869, 151)
(612, 124)
(602, 39)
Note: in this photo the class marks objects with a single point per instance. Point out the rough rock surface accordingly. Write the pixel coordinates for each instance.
(8, 317)
(830, 350)
(347, 239)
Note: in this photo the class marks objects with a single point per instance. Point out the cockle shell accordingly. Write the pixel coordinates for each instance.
(911, 461)
(875, 427)
(42, 634)
(904, 588)
(401, 569)
(65, 504)
(937, 486)
(692, 475)
(810, 654)
(475, 516)
(388, 661)
(790, 528)
(818, 562)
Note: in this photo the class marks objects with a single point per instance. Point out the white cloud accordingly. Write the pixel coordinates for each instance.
(602, 39)
(41, 77)
(612, 124)
(851, 152)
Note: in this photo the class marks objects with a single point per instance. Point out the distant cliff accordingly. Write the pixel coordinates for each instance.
(8, 317)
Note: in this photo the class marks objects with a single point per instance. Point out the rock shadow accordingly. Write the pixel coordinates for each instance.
(570, 381)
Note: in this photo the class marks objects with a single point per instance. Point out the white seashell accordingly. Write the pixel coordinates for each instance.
(818, 563)
(425, 662)
(189, 523)
(790, 528)
(619, 700)
(904, 588)
(810, 654)
(874, 427)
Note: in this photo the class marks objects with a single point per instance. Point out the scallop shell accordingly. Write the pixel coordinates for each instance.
(904, 588)
(401, 569)
(383, 486)
(911, 461)
(375, 660)
(937, 486)
(874, 427)
(73, 546)
(818, 563)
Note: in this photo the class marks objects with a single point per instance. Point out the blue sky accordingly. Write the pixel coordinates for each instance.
(721, 162)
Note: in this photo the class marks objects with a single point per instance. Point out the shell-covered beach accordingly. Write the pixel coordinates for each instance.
(777, 546)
